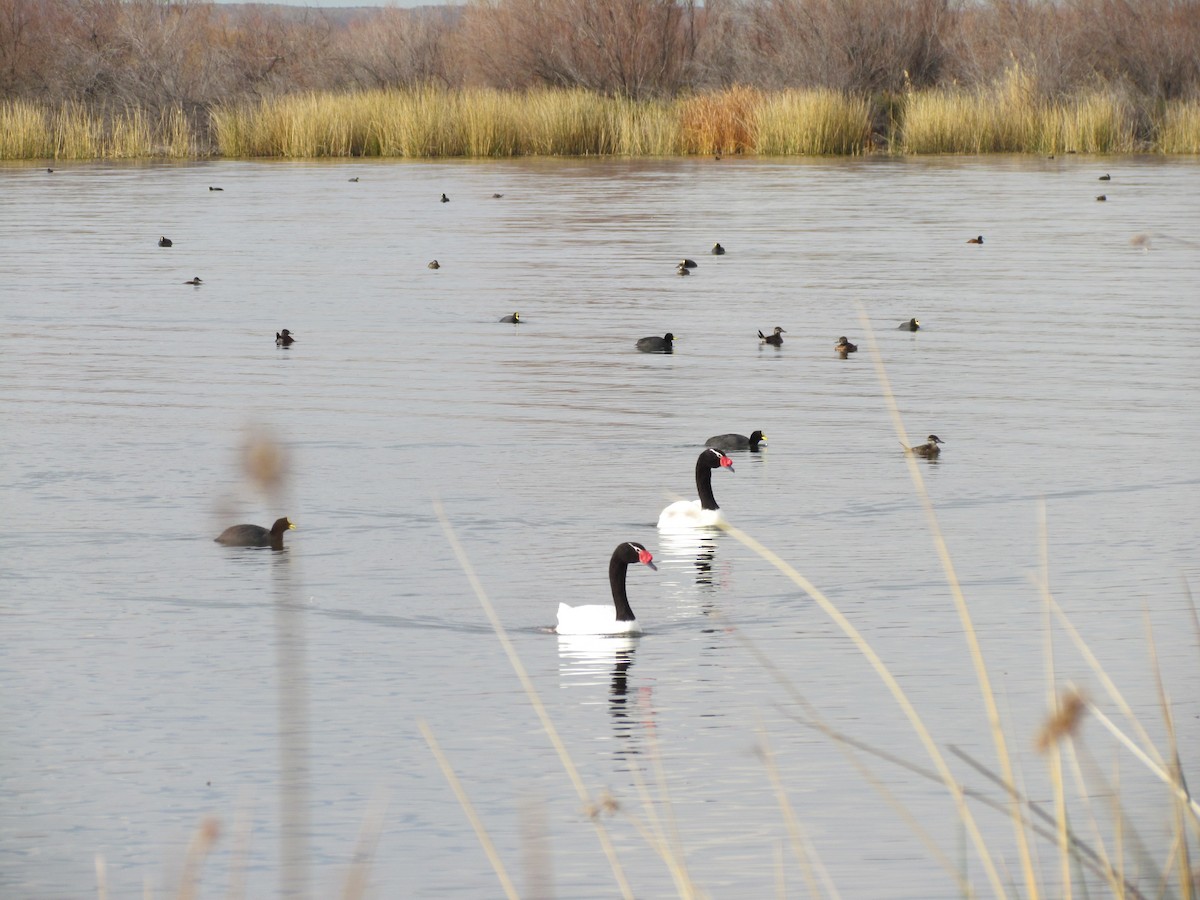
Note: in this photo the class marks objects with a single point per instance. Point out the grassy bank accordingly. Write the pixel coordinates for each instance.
(1008, 117)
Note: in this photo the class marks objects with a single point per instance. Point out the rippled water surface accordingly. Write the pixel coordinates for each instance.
(154, 680)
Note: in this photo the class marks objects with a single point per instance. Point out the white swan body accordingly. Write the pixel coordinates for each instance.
(614, 618)
(594, 618)
(684, 515)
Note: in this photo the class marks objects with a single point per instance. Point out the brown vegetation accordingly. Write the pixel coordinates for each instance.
(188, 58)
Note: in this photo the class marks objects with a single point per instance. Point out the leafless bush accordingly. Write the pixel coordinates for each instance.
(631, 48)
(190, 55)
(863, 46)
(396, 48)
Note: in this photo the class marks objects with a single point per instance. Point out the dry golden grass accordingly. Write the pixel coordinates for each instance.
(1011, 117)
(432, 122)
(721, 122)
(812, 123)
(74, 131)
(1179, 127)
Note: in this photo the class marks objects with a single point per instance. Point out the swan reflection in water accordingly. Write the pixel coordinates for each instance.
(683, 550)
(592, 660)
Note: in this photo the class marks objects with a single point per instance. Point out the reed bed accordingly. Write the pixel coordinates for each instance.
(1010, 116)
(720, 123)
(76, 131)
(1179, 127)
(812, 123)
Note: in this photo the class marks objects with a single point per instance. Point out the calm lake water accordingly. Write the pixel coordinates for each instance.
(148, 673)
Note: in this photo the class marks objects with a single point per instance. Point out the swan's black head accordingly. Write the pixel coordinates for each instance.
(715, 459)
(633, 552)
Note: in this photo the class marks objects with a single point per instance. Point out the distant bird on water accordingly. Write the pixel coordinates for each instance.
(910, 325)
(284, 338)
(975, 240)
(195, 280)
(497, 196)
(928, 450)
(211, 188)
(165, 241)
(843, 346)
(681, 269)
(434, 264)
(515, 318)
(1105, 177)
(718, 250)
(664, 344)
(255, 535)
(688, 263)
(728, 443)
(355, 178)
(775, 338)
(1101, 198)
(445, 199)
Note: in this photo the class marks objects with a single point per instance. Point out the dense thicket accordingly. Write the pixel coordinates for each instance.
(193, 54)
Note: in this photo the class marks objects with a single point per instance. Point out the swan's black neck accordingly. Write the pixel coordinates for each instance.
(704, 482)
(616, 579)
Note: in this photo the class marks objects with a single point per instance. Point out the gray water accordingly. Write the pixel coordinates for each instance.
(146, 672)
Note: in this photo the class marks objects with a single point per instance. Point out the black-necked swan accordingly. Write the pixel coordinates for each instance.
(731, 442)
(604, 619)
(255, 535)
(703, 513)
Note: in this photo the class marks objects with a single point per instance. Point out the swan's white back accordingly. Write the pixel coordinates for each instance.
(593, 619)
(684, 515)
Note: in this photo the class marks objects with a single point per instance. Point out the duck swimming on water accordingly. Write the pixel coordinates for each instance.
(515, 318)
(843, 346)
(975, 240)
(284, 338)
(664, 344)
(195, 280)
(775, 339)
(910, 325)
(928, 450)
(255, 535)
(730, 443)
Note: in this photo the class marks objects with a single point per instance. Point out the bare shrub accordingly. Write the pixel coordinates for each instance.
(629, 48)
(862, 46)
(395, 48)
